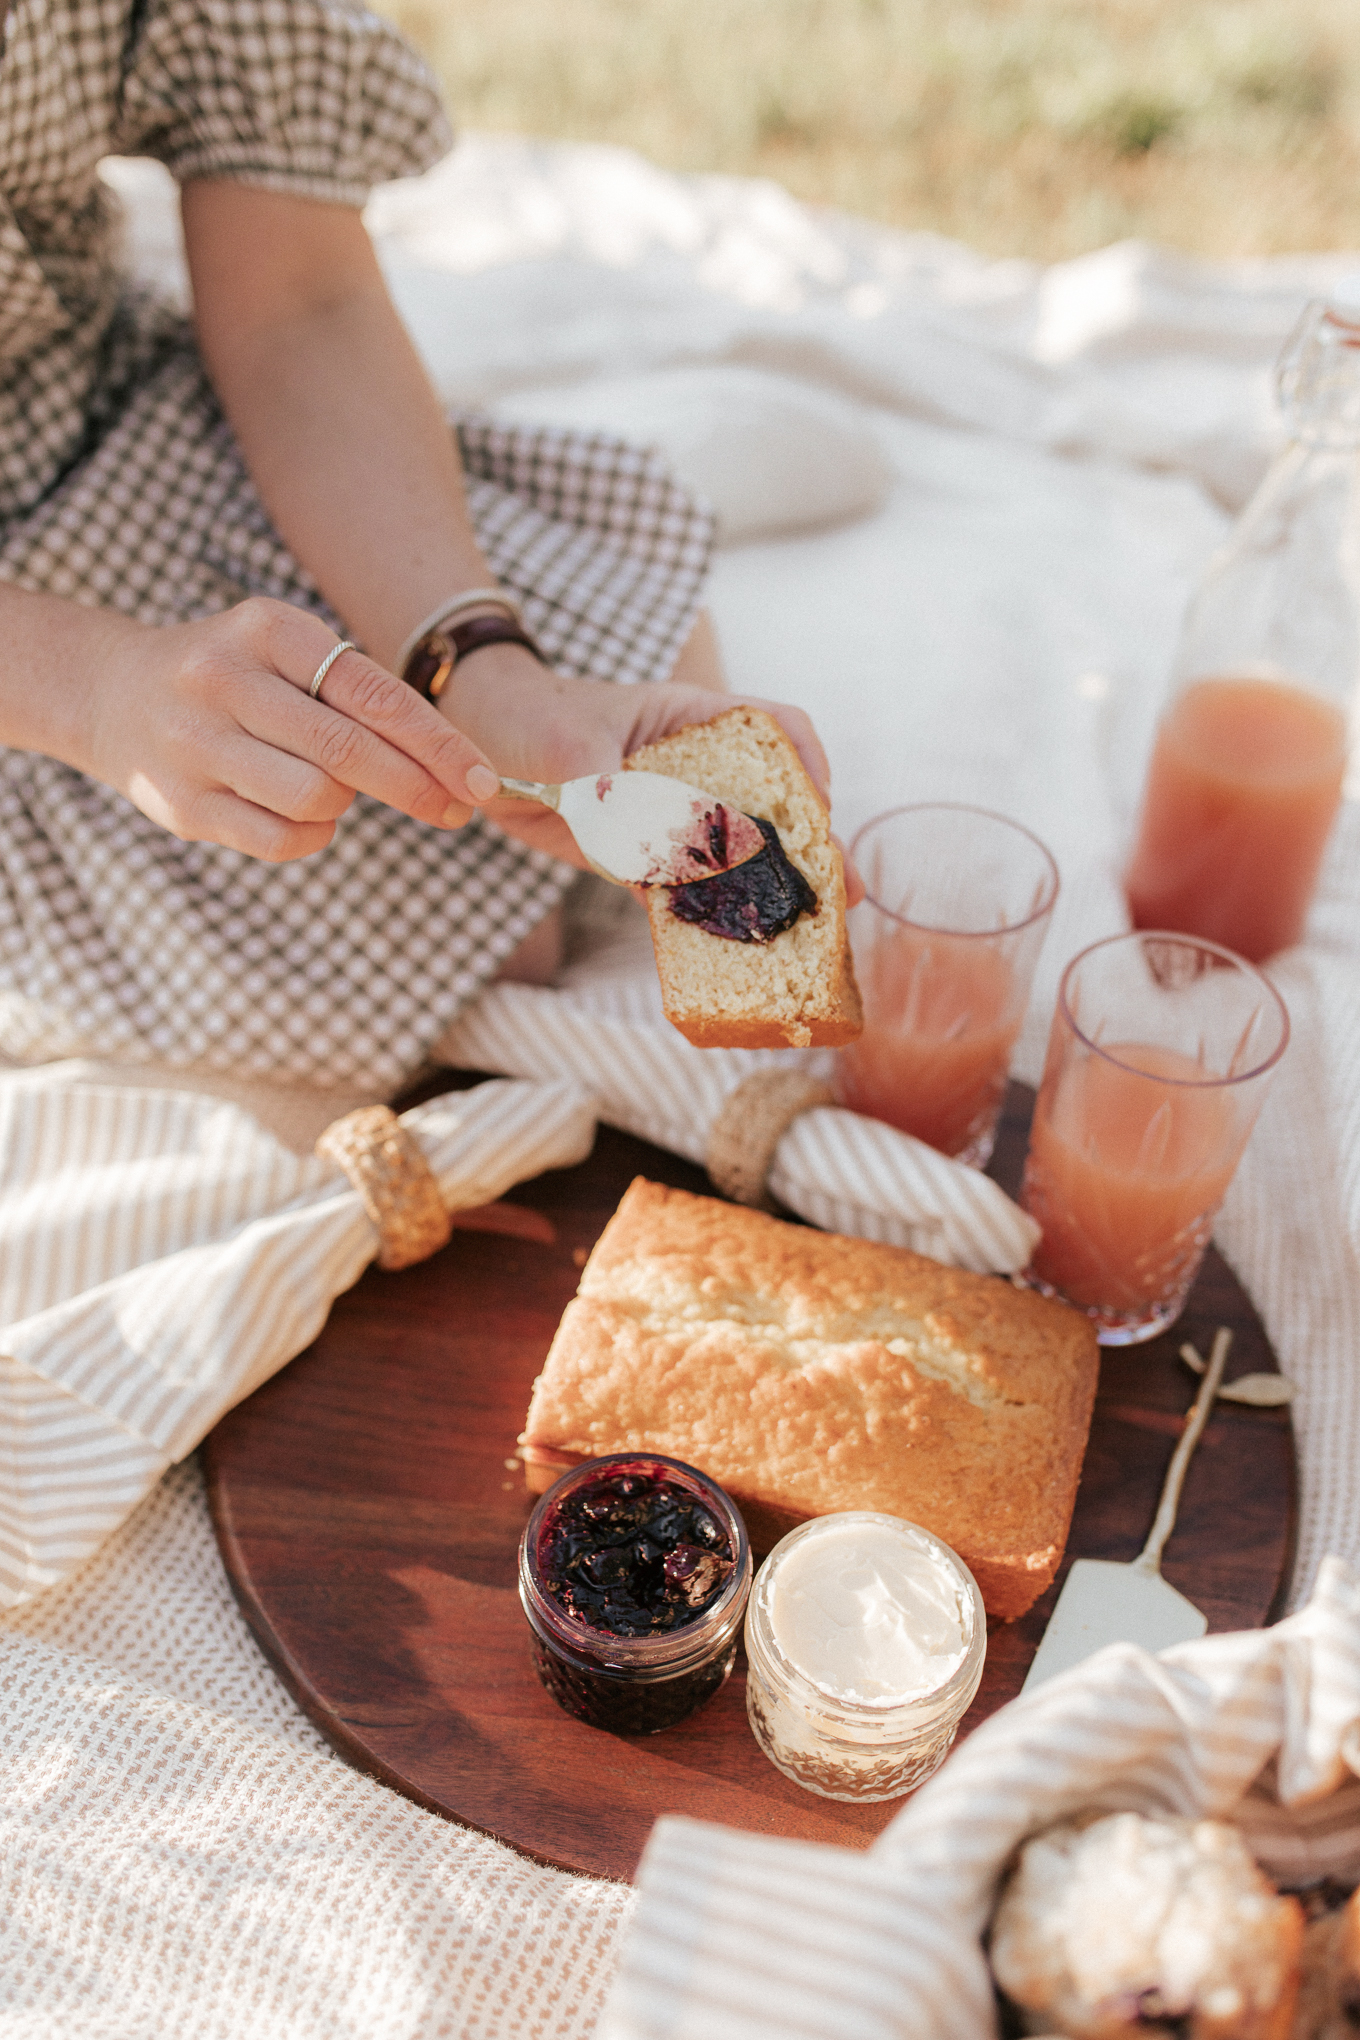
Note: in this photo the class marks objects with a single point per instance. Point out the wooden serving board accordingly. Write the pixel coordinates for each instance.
(369, 1513)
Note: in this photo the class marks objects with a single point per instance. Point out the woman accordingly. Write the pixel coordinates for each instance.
(214, 852)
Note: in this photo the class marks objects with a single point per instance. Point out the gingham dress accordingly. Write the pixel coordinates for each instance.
(121, 485)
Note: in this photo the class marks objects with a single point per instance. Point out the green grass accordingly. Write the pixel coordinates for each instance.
(1032, 127)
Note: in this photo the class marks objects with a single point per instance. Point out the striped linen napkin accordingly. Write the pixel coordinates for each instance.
(161, 1255)
(602, 1026)
(741, 1937)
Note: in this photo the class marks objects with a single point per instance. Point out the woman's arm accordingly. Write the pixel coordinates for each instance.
(208, 726)
(351, 453)
(343, 434)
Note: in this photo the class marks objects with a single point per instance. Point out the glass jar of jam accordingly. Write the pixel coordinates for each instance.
(634, 1572)
(865, 1640)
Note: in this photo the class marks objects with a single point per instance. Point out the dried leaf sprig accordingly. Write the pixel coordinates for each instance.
(1262, 1391)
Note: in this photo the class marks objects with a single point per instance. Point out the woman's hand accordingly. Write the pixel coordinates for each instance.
(534, 723)
(209, 729)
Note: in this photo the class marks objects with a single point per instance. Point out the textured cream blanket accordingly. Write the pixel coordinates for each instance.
(179, 1856)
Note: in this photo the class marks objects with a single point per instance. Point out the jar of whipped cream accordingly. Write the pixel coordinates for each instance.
(865, 1638)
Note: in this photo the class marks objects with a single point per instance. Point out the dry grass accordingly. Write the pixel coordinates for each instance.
(1033, 127)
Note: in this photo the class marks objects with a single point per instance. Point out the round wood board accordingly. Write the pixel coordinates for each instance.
(369, 1516)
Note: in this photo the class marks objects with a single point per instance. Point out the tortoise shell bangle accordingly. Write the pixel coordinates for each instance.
(430, 665)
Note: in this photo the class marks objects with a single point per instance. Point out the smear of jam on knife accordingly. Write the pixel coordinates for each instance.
(754, 901)
(717, 838)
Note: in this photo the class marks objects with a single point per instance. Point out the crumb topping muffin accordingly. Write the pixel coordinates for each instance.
(1123, 1924)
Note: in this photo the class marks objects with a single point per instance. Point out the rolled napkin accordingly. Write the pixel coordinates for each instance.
(741, 1937)
(843, 1172)
(161, 1255)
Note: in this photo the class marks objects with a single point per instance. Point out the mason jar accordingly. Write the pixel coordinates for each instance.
(893, 1597)
(611, 1524)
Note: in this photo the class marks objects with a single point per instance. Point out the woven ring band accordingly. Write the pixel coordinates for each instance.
(396, 1184)
(324, 668)
(753, 1120)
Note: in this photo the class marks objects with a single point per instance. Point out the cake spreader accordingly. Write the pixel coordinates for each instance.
(1104, 1602)
(643, 828)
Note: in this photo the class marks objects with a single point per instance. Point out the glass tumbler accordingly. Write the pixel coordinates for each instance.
(945, 943)
(1159, 1058)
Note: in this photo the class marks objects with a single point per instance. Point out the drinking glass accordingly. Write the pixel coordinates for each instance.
(1159, 1058)
(945, 943)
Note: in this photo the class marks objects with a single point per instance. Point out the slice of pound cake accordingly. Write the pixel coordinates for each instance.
(756, 957)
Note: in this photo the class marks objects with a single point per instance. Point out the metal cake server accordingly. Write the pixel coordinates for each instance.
(642, 828)
(1102, 1602)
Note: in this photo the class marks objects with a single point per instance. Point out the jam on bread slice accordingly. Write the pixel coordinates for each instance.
(758, 957)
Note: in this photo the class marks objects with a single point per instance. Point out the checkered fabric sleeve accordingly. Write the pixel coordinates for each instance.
(315, 97)
(121, 486)
(346, 967)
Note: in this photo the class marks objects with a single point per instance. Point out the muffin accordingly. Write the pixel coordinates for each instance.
(1329, 1996)
(1122, 1925)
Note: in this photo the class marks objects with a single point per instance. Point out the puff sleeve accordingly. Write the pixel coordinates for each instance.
(315, 97)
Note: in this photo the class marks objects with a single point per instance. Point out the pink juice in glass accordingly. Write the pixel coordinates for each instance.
(945, 941)
(1243, 788)
(1160, 1055)
(941, 1016)
(1129, 1161)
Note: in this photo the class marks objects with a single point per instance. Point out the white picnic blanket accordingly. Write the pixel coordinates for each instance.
(1062, 447)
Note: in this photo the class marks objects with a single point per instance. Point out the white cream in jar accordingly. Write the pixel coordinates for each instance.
(865, 1639)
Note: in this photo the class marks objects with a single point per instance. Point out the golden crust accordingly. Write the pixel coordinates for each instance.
(809, 1373)
(811, 1032)
(799, 990)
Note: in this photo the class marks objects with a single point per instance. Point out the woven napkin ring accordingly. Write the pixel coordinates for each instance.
(754, 1119)
(384, 1163)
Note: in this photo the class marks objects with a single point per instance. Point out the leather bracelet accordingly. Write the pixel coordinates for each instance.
(451, 606)
(430, 666)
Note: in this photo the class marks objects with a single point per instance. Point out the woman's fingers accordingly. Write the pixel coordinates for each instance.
(259, 832)
(212, 730)
(367, 729)
(199, 814)
(259, 771)
(384, 708)
(306, 760)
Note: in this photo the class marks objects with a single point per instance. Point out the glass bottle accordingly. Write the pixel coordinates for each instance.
(1248, 766)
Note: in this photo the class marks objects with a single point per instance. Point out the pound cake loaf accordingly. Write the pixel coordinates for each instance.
(808, 1374)
(781, 975)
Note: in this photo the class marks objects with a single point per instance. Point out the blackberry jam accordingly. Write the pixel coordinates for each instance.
(753, 902)
(634, 1572)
